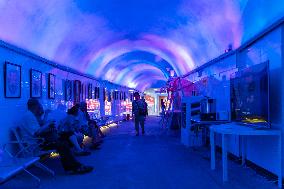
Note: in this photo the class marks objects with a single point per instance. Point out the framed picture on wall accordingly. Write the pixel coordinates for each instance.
(83, 92)
(12, 80)
(86, 92)
(90, 89)
(77, 91)
(51, 86)
(98, 92)
(68, 90)
(35, 83)
(104, 94)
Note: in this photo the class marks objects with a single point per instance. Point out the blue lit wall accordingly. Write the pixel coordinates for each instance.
(90, 35)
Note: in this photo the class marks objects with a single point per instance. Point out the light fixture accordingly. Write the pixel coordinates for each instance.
(172, 73)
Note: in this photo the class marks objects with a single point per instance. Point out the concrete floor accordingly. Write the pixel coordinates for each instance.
(156, 160)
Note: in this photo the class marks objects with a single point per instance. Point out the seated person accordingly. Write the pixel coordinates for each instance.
(58, 114)
(88, 126)
(68, 129)
(31, 128)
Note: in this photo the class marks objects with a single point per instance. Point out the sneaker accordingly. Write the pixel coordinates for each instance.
(137, 134)
(82, 153)
(81, 170)
(143, 132)
(95, 146)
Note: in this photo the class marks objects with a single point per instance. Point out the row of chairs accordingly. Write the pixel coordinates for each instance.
(28, 153)
(19, 154)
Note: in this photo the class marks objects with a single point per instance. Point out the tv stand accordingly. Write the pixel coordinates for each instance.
(243, 131)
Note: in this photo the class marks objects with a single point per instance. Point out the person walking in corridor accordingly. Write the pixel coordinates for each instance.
(139, 112)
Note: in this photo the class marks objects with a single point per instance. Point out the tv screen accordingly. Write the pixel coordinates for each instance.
(250, 95)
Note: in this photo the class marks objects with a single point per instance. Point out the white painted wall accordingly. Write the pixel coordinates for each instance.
(260, 150)
(263, 150)
(12, 109)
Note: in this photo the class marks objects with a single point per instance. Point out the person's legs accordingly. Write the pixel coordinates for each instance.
(100, 132)
(137, 120)
(80, 137)
(74, 141)
(95, 135)
(67, 159)
(142, 123)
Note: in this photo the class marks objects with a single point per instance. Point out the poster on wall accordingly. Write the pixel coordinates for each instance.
(12, 80)
(104, 94)
(95, 93)
(35, 83)
(90, 88)
(68, 90)
(51, 86)
(98, 92)
(86, 92)
(82, 92)
(110, 95)
(77, 91)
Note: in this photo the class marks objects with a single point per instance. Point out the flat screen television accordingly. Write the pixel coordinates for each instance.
(250, 95)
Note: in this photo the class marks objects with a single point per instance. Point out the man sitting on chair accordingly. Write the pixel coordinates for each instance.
(33, 126)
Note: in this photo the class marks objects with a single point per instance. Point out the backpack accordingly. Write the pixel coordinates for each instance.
(141, 111)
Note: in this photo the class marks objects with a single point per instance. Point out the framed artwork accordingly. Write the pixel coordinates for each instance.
(90, 88)
(86, 92)
(51, 86)
(12, 80)
(98, 95)
(83, 97)
(97, 92)
(77, 91)
(110, 96)
(104, 94)
(95, 96)
(116, 95)
(68, 90)
(35, 83)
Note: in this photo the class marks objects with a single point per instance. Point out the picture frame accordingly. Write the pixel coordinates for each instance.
(12, 80)
(77, 91)
(98, 93)
(51, 86)
(90, 88)
(83, 93)
(86, 92)
(105, 94)
(68, 90)
(35, 83)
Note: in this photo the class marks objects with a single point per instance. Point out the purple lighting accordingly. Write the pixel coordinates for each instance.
(89, 35)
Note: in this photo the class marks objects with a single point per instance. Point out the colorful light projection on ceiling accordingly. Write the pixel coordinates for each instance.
(134, 43)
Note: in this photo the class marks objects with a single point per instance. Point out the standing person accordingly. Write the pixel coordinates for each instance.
(163, 107)
(139, 113)
(145, 105)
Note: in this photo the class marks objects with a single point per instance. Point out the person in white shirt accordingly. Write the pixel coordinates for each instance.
(33, 126)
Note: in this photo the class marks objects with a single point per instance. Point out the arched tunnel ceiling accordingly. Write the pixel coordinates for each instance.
(134, 43)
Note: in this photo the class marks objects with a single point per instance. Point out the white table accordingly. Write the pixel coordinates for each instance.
(243, 131)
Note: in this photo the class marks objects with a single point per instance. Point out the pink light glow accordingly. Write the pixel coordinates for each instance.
(80, 35)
